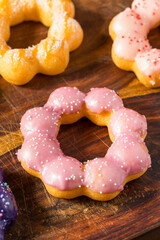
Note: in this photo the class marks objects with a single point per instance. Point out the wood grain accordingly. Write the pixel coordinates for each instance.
(42, 217)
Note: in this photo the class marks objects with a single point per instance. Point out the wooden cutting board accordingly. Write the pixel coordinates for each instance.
(42, 217)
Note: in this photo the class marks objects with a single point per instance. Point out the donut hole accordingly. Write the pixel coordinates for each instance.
(84, 140)
(27, 34)
(153, 37)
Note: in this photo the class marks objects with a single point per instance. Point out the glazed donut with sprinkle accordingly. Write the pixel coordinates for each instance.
(64, 176)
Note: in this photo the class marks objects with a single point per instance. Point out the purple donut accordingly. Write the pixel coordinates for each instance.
(8, 207)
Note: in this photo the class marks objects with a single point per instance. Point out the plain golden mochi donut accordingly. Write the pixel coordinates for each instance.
(51, 55)
(64, 176)
(131, 49)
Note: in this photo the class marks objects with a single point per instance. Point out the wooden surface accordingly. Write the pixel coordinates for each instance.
(42, 217)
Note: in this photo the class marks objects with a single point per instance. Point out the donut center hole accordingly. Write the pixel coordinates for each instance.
(84, 140)
(153, 37)
(27, 34)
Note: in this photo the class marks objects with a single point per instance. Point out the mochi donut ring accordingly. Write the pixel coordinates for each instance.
(131, 49)
(8, 207)
(51, 55)
(101, 178)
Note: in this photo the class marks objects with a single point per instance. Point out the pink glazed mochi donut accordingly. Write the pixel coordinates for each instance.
(64, 176)
(131, 49)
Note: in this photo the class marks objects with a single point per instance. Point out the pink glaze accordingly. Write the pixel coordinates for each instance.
(130, 153)
(66, 99)
(103, 176)
(41, 150)
(149, 63)
(125, 121)
(129, 22)
(102, 99)
(129, 46)
(40, 119)
(131, 28)
(149, 9)
(63, 173)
